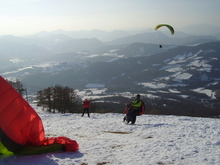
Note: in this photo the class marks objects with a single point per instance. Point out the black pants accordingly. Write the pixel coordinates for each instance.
(133, 114)
(86, 110)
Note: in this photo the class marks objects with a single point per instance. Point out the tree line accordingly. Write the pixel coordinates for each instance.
(58, 98)
(158, 106)
(63, 99)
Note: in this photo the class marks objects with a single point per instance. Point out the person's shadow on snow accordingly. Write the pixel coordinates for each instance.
(151, 125)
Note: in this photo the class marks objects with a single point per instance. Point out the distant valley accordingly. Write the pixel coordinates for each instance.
(184, 68)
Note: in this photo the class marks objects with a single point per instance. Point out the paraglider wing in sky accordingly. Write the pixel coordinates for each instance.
(20, 125)
(166, 25)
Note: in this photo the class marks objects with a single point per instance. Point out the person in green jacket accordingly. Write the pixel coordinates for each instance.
(136, 104)
(135, 108)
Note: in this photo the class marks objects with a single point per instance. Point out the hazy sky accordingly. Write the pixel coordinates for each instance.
(21, 17)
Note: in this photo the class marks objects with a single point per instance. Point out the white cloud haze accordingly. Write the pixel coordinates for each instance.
(20, 17)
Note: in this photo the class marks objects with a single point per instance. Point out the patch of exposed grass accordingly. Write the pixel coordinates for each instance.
(102, 163)
(161, 163)
(116, 146)
(149, 137)
(117, 132)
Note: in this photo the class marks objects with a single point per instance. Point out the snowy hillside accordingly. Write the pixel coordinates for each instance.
(105, 139)
(185, 74)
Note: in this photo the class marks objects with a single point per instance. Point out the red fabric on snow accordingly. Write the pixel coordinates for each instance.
(20, 125)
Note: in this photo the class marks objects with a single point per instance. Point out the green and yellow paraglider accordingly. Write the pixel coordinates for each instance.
(166, 25)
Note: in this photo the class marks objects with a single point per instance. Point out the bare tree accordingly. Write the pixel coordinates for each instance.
(19, 87)
(62, 99)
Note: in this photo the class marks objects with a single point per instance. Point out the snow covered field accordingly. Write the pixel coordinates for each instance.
(152, 140)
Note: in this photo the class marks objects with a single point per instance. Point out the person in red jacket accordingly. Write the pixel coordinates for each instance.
(86, 107)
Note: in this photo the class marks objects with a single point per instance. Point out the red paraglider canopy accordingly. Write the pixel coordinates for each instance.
(21, 126)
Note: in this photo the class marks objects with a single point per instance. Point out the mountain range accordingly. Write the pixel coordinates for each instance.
(185, 67)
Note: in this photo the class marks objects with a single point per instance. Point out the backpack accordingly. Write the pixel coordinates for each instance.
(141, 110)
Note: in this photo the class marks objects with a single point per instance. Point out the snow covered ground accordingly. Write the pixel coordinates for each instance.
(152, 140)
